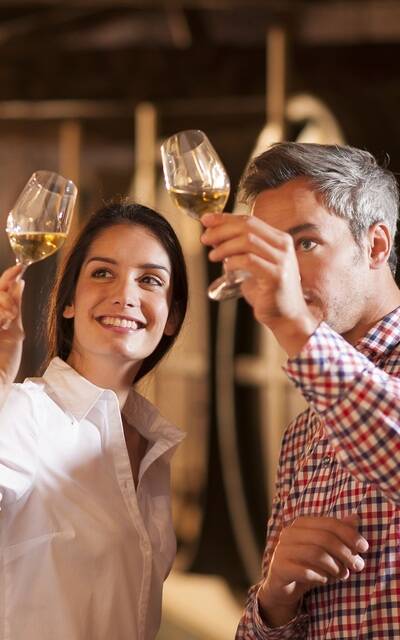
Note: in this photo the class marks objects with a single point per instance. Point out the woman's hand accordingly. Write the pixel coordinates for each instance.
(311, 552)
(11, 329)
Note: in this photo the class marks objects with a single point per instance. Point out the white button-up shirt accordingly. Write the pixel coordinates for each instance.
(84, 554)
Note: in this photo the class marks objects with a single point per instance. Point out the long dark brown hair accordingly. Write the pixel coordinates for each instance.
(60, 330)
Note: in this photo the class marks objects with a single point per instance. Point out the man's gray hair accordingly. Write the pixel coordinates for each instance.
(351, 183)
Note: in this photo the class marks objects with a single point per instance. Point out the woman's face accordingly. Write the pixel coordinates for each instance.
(122, 299)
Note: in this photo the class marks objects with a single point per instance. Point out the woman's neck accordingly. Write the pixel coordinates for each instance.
(117, 378)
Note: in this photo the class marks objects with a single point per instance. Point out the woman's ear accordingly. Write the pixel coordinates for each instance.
(380, 245)
(172, 323)
(69, 311)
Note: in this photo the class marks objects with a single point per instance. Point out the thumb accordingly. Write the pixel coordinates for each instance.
(17, 290)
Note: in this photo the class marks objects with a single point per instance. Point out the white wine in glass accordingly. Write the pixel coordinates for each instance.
(38, 223)
(198, 183)
(197, 200)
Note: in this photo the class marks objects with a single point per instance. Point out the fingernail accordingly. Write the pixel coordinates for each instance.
(362, 545)
(358, 564)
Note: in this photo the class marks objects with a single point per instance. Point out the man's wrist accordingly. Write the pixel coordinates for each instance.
(294, 335)
(275, 614)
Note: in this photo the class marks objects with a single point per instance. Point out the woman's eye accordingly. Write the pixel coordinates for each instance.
(307, 245)
(101, 273)
(152, 281)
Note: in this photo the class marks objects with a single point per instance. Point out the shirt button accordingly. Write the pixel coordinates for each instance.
(326, 461)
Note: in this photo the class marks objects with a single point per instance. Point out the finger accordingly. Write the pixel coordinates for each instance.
(215, 219)
(328, 542)
(322, 561)
(353, 519)
(7, 301)
(5, 324)
(345, 531)
(11, 299)
(10, 275)
(330, 547)
(248, 227)
(256, 267)
(16, 291)
(10, 313)
(249, 244)
(291, 571)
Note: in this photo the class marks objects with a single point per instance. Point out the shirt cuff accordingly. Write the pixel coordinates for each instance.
(325, 367)
(295, 629)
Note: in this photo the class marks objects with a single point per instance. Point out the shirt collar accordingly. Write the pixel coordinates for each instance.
(382, 337)
(77, 396)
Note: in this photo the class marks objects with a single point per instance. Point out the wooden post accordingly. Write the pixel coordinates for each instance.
(69, 161)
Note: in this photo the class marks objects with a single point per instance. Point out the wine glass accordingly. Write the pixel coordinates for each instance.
(198, 183)
(38, 223)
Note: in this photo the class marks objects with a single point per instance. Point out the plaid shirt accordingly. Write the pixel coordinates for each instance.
(342, 456)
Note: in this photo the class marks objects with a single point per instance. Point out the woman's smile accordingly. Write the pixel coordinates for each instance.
(124, 286)
(121, 324)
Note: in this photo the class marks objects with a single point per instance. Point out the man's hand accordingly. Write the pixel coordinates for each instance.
(311, 552)
(11, 329)
(273, 286)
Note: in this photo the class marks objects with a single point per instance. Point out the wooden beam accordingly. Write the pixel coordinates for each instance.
(103, 109)
(349, 22)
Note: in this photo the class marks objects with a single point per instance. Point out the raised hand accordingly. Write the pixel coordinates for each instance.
(311, 552)
(273, 286)
(11, 329)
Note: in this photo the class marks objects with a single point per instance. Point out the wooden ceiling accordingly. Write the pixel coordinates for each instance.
(114, 24)
(151, 50)
(344, 51)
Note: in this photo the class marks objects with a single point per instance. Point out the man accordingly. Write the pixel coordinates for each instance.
(319, 255)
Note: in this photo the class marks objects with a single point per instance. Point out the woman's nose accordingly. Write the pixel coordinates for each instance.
(126, 295)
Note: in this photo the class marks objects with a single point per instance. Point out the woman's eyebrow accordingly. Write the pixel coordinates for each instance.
(146, 265)
(151, 265)
(101, 259)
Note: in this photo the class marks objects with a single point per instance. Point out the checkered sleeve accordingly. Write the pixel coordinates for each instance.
(360, 405)
(251, 625)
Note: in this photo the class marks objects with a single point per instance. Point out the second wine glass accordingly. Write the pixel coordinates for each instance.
(198, 183)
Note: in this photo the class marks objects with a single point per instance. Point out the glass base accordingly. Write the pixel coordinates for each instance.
(226, 288)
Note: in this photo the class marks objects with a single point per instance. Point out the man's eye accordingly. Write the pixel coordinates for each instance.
(307, 245)
(101, 273)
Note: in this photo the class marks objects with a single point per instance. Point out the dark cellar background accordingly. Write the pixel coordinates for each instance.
(203, 64)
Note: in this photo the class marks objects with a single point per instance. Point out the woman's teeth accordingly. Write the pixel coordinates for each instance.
(119, 322)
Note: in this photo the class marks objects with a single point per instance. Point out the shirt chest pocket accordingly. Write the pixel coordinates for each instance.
(322, 487)
(39, 546)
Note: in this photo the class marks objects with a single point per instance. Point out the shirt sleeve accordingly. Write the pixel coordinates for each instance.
(18, 444)
(251, 625)
(360, 406)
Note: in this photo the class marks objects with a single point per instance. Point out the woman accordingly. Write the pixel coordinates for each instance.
(87, 539)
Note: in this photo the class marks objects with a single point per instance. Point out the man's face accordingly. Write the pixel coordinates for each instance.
(334, 270)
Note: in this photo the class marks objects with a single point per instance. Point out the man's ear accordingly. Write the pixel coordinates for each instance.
(69, 311)
(172, 323)
(380, 245)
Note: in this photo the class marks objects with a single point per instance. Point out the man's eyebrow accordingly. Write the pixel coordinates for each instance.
(300, 228)
(146, 265)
